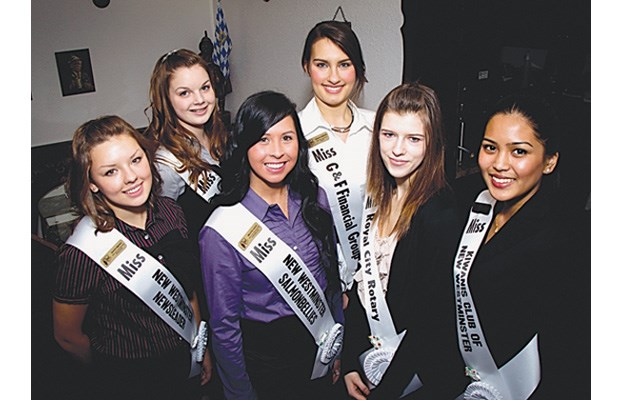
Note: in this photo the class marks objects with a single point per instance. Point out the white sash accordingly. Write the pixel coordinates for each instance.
(383, 336)
(288, 274)
(344, 186)
(519, 377)
(147, 278)
(206, 188)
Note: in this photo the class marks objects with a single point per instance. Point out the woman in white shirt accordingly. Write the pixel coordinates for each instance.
(337, 130)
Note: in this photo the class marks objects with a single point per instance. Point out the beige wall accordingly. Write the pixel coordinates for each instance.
(126, 38)
(268, 39)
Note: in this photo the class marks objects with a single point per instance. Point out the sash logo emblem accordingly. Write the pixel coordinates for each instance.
(114, 252)
(249, 236)
(318, 139)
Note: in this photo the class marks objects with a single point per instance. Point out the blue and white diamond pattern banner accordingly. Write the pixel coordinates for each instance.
(223, 45)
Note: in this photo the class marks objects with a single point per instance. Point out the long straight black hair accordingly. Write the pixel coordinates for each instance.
(256, 115)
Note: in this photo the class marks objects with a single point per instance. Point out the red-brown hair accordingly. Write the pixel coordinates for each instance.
(87, 136)
(164, 127)
(429, 178)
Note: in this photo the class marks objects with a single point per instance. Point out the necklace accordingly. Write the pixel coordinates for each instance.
(496, 222)
(346, 128)
(492, 232)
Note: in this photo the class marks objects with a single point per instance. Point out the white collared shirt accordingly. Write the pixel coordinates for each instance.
(357, 145)
(353, 152)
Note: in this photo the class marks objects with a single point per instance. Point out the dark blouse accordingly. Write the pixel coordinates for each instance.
(418, 302)
(117, 322)
(532, 278)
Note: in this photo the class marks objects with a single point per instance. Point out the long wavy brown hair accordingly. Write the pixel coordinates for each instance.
(430, 177)
(164, 126)
(85, 138)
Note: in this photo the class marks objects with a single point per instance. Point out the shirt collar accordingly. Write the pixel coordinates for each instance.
(151, 217)
(316, 119)
(360, 121)
(259, 207)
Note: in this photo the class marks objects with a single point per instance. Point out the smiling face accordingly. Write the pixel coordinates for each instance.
(274, 156)
(192, 97)
(512, 159)
(332, 73)
(120, 171)
(402, 143)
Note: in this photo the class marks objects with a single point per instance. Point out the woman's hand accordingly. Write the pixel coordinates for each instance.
(207, 366)
(345, 301)
(336, 371)
(207, 369)
(68, 320)
(355, 386)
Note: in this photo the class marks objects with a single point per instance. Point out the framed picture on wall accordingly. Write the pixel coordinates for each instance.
(75, 72)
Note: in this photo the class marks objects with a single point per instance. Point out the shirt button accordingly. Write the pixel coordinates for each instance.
(295, 248)
(146, 236)
(160, 257)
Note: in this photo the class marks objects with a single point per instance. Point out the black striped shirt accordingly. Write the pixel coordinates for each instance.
(117, 322)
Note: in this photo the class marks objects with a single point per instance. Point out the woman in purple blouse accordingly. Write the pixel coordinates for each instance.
(263, 346)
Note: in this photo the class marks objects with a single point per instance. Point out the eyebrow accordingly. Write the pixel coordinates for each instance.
(326, 61)
(292, 131)
(404, 133)
(112, 165)
(187, 88)
(512, 143)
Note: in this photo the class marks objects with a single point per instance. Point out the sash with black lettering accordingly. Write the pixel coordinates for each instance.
(288, 274)
(344, 186)
(519, 377)
(383, 336)
(147, 278)
(206, 187)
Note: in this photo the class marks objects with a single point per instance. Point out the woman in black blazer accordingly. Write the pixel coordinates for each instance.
(529, 278)
(416, 226)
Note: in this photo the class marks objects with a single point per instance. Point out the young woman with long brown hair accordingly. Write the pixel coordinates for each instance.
(410, 227)
(102, 318)
(186, 124)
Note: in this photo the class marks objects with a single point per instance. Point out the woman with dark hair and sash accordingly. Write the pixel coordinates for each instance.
(338, 131)
(519, 276)
(269, 262)
(408, 236)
